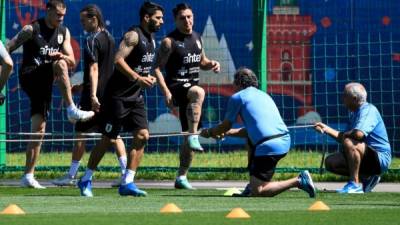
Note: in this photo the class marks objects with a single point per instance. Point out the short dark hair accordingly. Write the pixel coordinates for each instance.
(245, 77)
(52, 4)
(149, 8)
(93, 10)
(179, 7)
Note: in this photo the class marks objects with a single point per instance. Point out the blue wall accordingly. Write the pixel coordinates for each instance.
(357, 46)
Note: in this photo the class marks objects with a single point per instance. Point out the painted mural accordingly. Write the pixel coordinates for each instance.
(314, 48)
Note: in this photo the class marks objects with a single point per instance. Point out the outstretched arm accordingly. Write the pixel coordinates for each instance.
(218, 131)
(237, 132)
(163, 54)
(339, 136)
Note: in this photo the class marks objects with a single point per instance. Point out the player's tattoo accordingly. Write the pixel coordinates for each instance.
(19, 39)
(193, 112)
(163, 53)
(130, 40)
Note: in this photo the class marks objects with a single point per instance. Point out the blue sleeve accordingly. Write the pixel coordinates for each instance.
(367, 121)
(233, 108)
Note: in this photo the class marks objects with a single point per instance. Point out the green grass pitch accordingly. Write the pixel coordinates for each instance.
(64, 206)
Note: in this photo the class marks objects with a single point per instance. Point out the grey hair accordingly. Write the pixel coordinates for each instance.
(357, 91)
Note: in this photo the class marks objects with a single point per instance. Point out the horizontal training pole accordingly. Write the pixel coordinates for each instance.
(97, 138)
(94, 134)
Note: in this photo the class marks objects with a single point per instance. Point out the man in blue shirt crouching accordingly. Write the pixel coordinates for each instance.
(366, 150)
(267, 135)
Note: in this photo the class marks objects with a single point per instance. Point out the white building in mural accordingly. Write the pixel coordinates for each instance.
(217, 50)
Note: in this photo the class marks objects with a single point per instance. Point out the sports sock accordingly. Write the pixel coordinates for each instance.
(122, 163)
(88, 175)
(71, 107)
(128, 177)
(182, 177)
(29, 176)
(73, 169)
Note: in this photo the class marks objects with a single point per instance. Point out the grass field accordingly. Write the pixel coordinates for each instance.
(206, 160)
(64, 206)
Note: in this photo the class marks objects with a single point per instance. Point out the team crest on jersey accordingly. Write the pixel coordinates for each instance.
(108, 128)
(198, 44)
(60, 39)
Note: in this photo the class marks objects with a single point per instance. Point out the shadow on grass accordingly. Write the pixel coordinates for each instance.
(367, 204)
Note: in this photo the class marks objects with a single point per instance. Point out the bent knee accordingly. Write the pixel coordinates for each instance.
(348, 143)
(256, 190)
(113, 141)
(60, 65)
(196, 93)
(142, 135)
(8, 64)
(329, 166)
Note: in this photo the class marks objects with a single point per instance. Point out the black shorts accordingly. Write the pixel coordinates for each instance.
(119, 115)
(263, 167)
(38, 85)
(179, 93)
(91, 125)
(370, 164)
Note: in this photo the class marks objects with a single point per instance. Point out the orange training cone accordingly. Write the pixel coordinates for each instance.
(238, 213)
(170, 208)
(12, 210)
(319, 206)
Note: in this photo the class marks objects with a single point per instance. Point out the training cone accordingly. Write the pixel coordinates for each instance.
(319, 206)
(237, 213)
(231, 191)
(170, 208)
(12, 210)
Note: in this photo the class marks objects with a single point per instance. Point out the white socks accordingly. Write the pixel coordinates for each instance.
(182, 177)
(71, 108)
(73, 169)
(29, 176)
(122, 163)
(128, 177)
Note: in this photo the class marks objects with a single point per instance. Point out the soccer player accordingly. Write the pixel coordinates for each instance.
(267, 135)
(182, 55)
(5, 69)
(124, 106)
(99, 51)
(47, 53)
(366, 150)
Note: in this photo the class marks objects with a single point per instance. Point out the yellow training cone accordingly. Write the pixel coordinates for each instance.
(319, 206)
(12, 210)
(231, 191)
(238, 213)
(170, 208)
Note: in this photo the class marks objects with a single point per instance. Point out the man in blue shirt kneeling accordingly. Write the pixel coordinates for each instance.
(267, 135)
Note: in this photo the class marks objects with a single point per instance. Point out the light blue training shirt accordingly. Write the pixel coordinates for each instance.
(261, 119)
(368, 120)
